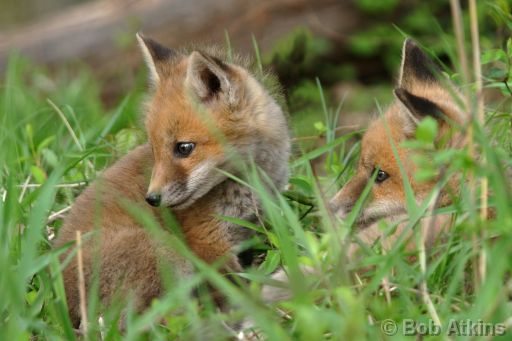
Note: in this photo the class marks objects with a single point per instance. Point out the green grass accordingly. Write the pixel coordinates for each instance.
(56, 136)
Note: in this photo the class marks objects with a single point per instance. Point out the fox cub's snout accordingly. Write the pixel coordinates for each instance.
(421, 92)
(201, 105)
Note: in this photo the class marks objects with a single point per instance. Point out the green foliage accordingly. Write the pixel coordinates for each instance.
(377, 6)
(497, 63)
(427, 130)
(425, 21)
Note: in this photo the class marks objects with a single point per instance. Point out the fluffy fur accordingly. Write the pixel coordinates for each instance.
(422, 92)
(232, 119)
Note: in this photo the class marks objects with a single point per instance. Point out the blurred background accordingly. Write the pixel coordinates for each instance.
(82, 53)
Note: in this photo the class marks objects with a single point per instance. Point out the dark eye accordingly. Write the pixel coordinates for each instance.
(184, 149)
(381, 176)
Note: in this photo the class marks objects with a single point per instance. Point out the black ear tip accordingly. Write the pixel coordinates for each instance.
(409, 43)
(142, 37)
(413, 51)
(416, 64)
(158, 51)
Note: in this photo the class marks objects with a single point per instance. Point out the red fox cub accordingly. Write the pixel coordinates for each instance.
(204, 115)
(421, 93)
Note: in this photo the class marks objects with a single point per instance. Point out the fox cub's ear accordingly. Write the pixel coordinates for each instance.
(418, 107)
(417, 67)
(210, 78)
(156, 57)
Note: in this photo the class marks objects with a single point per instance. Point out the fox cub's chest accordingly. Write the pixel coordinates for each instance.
(239, 202)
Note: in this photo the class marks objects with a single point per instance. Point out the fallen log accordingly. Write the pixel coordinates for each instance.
(93, 31)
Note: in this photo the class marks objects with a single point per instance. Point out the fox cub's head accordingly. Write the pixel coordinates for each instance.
(203, 113)
(421, 92)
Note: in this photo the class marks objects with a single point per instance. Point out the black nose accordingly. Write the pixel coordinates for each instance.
(153, 199)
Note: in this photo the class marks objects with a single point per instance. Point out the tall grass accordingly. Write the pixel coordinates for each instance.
(55, 139)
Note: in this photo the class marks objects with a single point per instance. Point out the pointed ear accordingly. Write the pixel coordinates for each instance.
(416, 67)
(418, 107)
(210, 78)
(156, 56)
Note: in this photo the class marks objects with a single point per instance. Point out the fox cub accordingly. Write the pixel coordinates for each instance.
(205, 116)
(421, 92)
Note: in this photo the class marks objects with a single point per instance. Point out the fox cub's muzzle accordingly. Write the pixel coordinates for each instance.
(153, 199)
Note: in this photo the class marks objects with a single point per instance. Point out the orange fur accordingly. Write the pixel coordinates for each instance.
(230, 117)
(421, 92)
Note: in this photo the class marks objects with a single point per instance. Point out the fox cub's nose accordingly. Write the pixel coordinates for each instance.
(153, 199)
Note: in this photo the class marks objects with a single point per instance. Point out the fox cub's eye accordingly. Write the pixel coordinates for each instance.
(381, 176)
(184, 149)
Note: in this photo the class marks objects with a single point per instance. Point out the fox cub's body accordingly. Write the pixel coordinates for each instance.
(204, 115)
(421, 92)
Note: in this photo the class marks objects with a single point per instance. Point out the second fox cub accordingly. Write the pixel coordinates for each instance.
(204, 116)
(421, 92)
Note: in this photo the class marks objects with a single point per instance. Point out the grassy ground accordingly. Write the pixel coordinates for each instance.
(56, 137)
